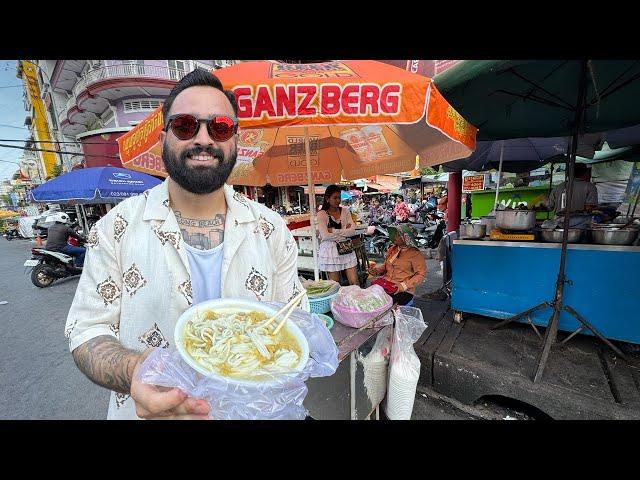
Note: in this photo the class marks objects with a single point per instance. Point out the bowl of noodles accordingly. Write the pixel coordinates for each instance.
(227, 339)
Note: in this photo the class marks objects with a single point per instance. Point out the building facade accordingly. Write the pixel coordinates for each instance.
(38, 118)
(97, 101)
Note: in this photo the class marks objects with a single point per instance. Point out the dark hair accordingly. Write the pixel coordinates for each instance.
(198, 78)
(579, 169)
(331, 189)
(400, 197)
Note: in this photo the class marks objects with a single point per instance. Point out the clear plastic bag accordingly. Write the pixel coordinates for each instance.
(355, 307)
(279, 397)
(329, 286)
(404, 364)
(375, 366)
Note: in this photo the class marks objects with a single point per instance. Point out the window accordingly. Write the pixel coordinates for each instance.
(177, 69)
(133, 67)
(222, 63)
(141, 105)
(107, 117)
(195, 64)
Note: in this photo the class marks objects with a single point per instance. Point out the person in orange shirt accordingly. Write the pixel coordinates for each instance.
(404, 266)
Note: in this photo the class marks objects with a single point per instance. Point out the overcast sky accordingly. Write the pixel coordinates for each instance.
(12, 117)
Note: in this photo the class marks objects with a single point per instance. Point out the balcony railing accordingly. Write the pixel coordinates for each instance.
(127, 71)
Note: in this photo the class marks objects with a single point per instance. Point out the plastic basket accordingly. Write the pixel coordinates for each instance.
(322, 304)
(327, 319)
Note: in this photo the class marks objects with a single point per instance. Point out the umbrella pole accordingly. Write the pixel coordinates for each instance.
(312, 204)
(552, 328)
(550, 186)
(495, 202)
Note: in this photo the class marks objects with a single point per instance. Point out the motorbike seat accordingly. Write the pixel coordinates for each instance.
(59, 255)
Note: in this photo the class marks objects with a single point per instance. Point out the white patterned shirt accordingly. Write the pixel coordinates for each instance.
(136, 280)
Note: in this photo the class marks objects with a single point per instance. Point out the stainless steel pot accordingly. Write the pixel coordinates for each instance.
(605, 236)
(516, 219)
(473, 230)
(555, 236)
(489, 221)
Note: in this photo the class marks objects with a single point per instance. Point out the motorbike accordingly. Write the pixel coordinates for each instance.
(48, 266)
(377, 244)
(12, 234)
(431, 235)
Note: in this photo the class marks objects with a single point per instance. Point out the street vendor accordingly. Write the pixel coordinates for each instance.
(404, 267)
(188, 240)
(585, 194)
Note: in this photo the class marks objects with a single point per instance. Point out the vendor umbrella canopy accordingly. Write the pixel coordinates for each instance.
(343, 119)
(363, 118)
(509, 99)
(94, 185)
(538, 98)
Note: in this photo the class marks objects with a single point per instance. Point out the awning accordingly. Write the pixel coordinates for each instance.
(384, 185)
(319, 190)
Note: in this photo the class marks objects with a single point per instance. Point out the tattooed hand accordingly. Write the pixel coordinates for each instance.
(202, 234)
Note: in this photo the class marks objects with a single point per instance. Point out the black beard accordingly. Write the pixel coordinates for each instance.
(200, 179)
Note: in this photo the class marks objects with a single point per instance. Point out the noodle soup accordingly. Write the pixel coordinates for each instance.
(228, 338)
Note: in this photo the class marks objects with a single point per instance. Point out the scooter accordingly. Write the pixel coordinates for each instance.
(432, 234)
(379, 243)
(48, 266)
(12, 234)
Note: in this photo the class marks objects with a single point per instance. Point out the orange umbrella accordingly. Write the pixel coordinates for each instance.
(364, 118)
(344, 119)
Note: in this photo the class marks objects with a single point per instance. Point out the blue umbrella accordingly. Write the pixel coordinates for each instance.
(345, 195)
(94, 185)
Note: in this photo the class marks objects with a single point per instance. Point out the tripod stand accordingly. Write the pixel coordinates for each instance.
(557, 303)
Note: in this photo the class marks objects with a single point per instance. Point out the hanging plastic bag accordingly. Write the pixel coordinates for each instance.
(404, 364)
(375, 366)
(355, 307)
(278, 397)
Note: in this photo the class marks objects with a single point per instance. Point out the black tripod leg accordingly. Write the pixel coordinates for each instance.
(595, 332)
(549, 339)
(520, 315)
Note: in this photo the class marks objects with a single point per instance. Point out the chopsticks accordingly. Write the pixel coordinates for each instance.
(289, 308)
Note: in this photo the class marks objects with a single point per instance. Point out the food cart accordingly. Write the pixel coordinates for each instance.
(500, 279)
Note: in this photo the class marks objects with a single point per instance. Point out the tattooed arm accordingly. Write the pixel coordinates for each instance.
(107, 363)
(202, 234)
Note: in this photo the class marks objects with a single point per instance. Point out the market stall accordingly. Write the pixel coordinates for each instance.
(500, 279)
(513, 99)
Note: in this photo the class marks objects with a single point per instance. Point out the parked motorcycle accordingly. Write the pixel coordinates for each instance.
(431, 235)
(12, 234)
(378, 244)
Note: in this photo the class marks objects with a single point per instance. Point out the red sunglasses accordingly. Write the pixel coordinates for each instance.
(220, 127)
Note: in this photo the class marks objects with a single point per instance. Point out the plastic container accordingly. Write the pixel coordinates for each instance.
(327, 319)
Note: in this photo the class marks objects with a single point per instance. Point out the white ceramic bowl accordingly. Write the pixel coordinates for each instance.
(237, 305)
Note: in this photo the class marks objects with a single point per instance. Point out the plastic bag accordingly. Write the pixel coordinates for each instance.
(404, 364)
(320, 288)
(280, 397)
(355, 307)
(375, 366)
